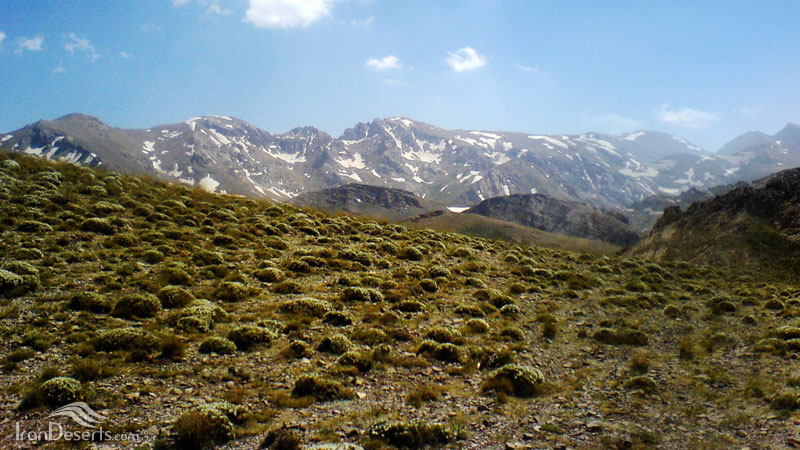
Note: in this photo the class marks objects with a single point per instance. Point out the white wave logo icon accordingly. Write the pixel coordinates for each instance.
(79, 412)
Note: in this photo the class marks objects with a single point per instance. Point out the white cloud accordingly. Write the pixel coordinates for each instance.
(2, 38)
(465, 59)
(125, 55)
(362, 23)
(286, 13)
(58, 69)
(75, 42)
(526, 68)
(216, 9)
(693, 119)
(389, 62)
(33, 44)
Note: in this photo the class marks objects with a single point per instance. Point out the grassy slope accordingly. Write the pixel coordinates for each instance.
(488, 228)
(711, 379)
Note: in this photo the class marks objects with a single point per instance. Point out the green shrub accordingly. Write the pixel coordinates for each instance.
(247, 336)
(361, 294)
(172, 347)
(513, 333)
(322, 389)
(60, 391)
(97, 225)
(428, 285)
(338, 318)
(174, 297)
(305, 305)
(774, 305)
(786, 401)
(288, 287)
(298, 349)
(231, 291)
(125, 339)
(621, 337)
(410, 253)
(477, 326)
(370, 336)
(642, 383)
(411, 435)
(152, 257)
(174, 275)
(408, 306)
(203, 427)
(136, 305)
(788, 332)
(270, 275)
(361, 360)
(443, 334)
(208, 258)
(443, 352)
(218, 345)
(335, 344)
(90, 301)
(11, 284)
(516, 380)
(33, 226)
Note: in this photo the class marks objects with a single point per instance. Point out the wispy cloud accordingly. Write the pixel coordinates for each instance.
(80, 44)
(58, 69)
(525, 68)
(465, 59)
(287, 13)
(363, 23)
(33, 44)
(693, 119)
(389, 62)
(2, 38)
(214, 8)
(125, 55)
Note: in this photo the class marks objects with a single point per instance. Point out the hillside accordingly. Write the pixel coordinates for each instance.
(559, 216)
(754, 228)
(364, 200)
(480, 226)
(196, 320)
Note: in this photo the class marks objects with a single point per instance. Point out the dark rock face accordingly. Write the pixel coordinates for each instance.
(362, 199)
(559, 216)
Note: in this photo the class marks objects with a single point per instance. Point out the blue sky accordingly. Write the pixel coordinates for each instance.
(707, 71)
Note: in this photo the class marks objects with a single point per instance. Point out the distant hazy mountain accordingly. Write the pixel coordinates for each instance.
(559, 216)
(455, 167)
(754, 228)
(374, 201)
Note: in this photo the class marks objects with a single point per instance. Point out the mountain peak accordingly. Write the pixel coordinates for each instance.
(789, 135)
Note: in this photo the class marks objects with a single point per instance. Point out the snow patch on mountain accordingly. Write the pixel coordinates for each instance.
(633, 136)
(356, 163)
(549, 139)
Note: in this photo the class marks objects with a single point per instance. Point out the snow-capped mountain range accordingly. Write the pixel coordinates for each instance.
(455, 167)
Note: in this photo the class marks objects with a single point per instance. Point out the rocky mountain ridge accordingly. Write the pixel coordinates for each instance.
(455, 167)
